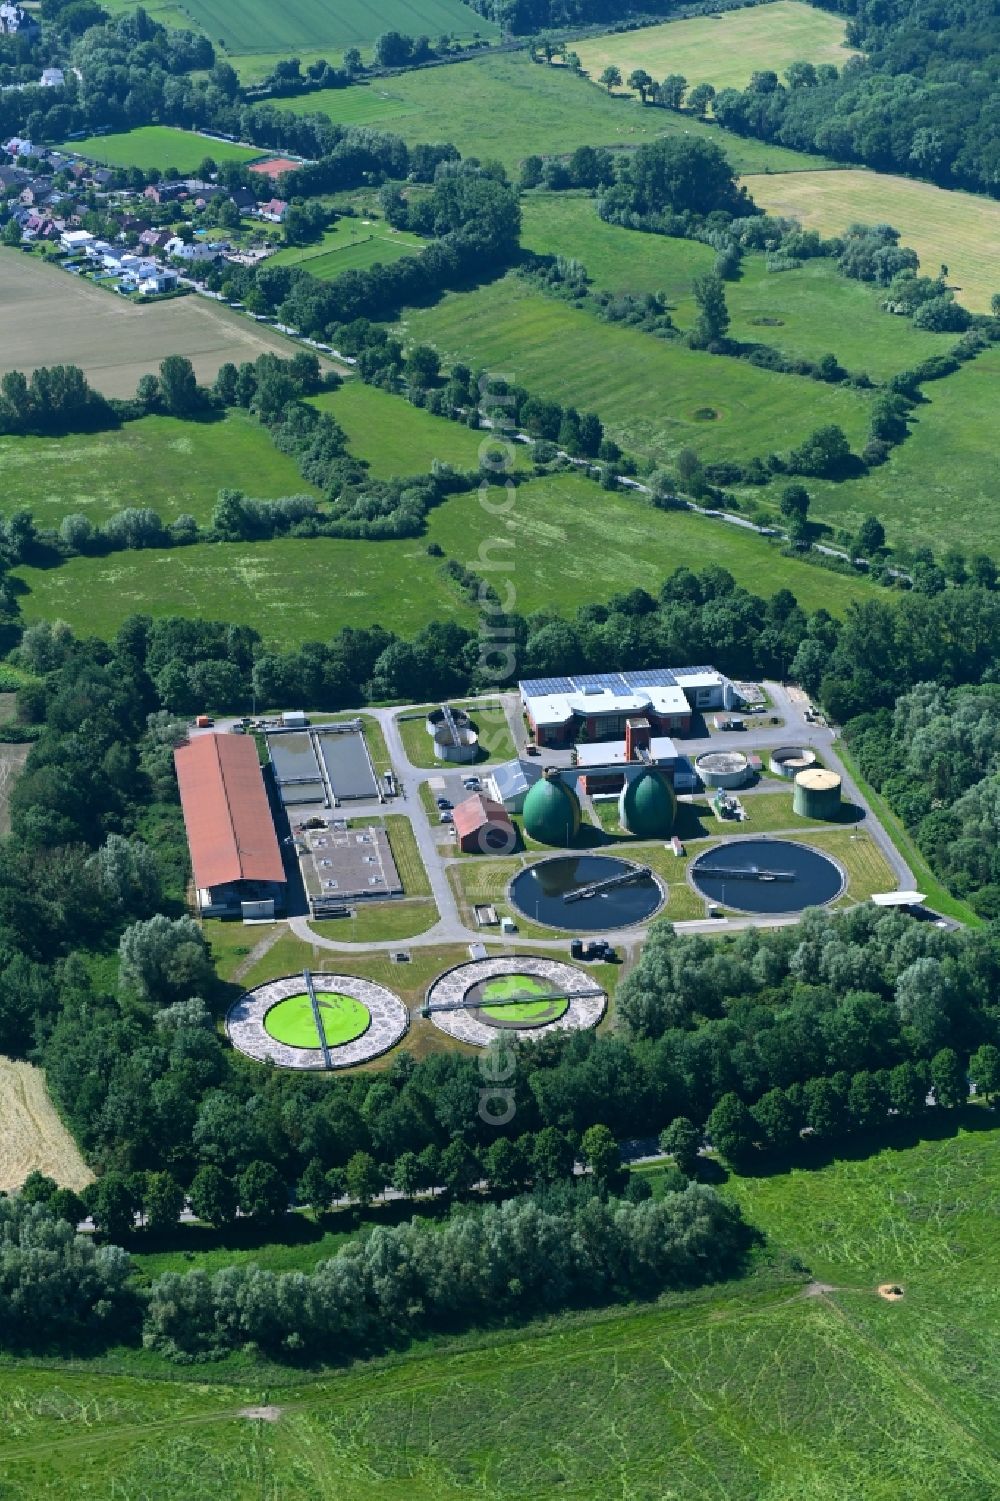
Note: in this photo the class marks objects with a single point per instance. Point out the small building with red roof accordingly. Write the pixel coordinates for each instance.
(483, 827)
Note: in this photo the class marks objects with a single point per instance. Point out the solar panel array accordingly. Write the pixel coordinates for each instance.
(619, 683)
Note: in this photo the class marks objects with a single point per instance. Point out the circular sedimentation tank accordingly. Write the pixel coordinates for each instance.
(516, 1000)
(291, 1020)
(479, 1002)
(274, 1022)
(817, 794)
(552, 812)
(729, 768)
(647, 806)
(788, 760)
(540, 892)
(436, 720)
(770, 877)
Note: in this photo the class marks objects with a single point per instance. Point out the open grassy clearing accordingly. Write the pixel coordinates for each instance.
(939, 487)
(382, 922)
(350, 246)
(506, 107)
(806, 313)
(296, 590)
(249, 26)
(397, 438)
(490, 723)
(647, 391)
(51, 318)
(723, 49)
(160, 146)
(959, 230)
(175, 467)
(33, 1137)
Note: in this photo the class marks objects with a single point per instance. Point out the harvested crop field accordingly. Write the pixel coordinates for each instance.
(49, 317)
(723, 49)
(959, 230)
(33, 1137)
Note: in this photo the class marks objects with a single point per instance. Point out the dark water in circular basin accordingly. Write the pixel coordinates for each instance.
(539, 892)
(766, 875)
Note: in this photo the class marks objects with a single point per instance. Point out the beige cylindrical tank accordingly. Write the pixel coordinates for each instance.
(817, 794)
(788, 760)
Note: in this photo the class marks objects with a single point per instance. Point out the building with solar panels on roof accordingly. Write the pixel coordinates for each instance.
(561, 711)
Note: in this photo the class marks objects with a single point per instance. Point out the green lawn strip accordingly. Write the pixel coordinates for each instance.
(506, 107)
(650, 393)
(374, 922)
(170, 465)
(937, 895)
(358, 255)
(344, 234)
(159, 146)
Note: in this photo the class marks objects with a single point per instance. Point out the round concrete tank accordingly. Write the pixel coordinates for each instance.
(461, 747)
(788, 760)
(817, 794)
(436, 720)
(729, 768)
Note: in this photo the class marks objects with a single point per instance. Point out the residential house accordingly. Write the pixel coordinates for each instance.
(274, 210)
(52, 78)
(195, 254)
(75, 240)
(17, 22)
(244, 200)
(12, 177)
(156, 239)
(165, 192)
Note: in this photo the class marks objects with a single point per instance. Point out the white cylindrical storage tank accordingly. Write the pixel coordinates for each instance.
(436, 720)
(788, 760)
(730, 768)
(460, 748)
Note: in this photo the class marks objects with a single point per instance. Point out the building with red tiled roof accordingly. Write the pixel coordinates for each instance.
(484, 827)
(234, 850)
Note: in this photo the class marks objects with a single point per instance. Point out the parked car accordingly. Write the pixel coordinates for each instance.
(532, 750)
(472, 784)
(444, 802)
(445, 818)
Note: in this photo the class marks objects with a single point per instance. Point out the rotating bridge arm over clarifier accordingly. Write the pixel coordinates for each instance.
(583, 893)
(751, 873)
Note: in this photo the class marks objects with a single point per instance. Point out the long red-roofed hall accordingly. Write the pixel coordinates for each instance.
(234, 849)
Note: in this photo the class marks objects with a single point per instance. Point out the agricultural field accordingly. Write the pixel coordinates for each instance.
(173, 466)
(351, 245)
(772, 1386)
(243, 27)
(51, 318)
(295, 590)
(723, 49)
(33, 1137)
(506, 107)
(396, 438)
(159, 146)
(944, 227)
(654, 396)
(938, 488)
(806, 313)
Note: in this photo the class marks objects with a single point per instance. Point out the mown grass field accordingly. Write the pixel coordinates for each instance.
(723, 49)
(959, 230)
(752, 1389)
(939, 487)
(351, 245)
(396, 438)
(806, 313)
(33, 1136)
(175, 467)
(649, 392)
(249, 26)
(51, 318)
(506, 107)
(159, 146)
(296, 590)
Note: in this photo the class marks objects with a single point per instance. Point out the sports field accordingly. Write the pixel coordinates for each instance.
(808, 312)
(296, 590)
(778, 1386)
(650, 393)
(723, 49)
(350, 246)
(33, 1138)
(172, 466)
(944, 227)
(291, 1021)
(506, 107)
(51, 318)
(248, 26)
(158, 146)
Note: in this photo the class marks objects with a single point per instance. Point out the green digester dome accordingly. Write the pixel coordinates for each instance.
(552, 812)
(647, 806)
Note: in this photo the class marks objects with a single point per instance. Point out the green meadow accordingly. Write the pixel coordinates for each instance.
(395, 438)
(507, 107)
(174, 467)
(159, 146)
(805, 313)
(650, 393)
(254, 26)
(772, 1387)
(549, 533)
(351, 245)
